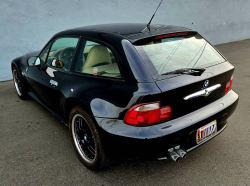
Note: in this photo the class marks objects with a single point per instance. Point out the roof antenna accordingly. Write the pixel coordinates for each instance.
(148, 25)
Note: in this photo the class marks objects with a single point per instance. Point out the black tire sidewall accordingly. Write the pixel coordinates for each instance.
(100, 158)
(23, 92)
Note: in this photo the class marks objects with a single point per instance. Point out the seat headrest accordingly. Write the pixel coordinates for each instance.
(97, 54)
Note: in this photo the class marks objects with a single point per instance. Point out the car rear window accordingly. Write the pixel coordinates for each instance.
(172, 53)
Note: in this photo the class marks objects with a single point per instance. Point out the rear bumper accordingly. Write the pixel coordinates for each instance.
(124, 140)
(195, 146)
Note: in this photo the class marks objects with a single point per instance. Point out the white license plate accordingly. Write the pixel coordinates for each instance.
(206, 131)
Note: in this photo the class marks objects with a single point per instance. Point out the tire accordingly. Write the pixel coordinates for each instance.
(86, 140)
(19, 84)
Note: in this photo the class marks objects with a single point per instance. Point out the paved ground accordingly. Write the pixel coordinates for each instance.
(35, 149)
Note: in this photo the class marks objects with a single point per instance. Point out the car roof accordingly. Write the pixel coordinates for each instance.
(131, 31)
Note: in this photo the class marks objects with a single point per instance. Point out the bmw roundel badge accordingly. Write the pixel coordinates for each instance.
(206, 83)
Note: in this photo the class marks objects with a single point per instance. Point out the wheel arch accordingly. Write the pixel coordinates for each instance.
(13, 64)
(17, 63)
(70, 103)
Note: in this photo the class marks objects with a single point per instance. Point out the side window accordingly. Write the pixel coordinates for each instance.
(63, 49)
(97, 59)
(44, 53)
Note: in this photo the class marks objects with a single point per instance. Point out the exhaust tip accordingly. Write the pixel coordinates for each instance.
(176, 153)
(174, 156)
(181, 153)
(178, 159)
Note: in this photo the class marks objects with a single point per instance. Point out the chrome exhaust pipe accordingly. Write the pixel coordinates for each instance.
(173, 155)
(180, 152)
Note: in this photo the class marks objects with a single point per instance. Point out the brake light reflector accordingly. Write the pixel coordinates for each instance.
(229, 85)
(146, 114)
(174, 34)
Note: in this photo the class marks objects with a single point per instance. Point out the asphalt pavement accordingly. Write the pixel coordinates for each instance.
(35, 148)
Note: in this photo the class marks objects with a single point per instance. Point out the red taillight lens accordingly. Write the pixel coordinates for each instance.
(169, 35)
(146, 114)
(229, 85)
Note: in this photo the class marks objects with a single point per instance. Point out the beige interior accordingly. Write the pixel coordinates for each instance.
(97, 54)
(111, 70)
(102, 68)
(150, 43)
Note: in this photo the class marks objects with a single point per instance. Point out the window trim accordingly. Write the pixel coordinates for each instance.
(49, 43)
(111, 48)
(53, 41)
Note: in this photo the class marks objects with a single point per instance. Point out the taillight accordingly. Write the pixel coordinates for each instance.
(146, 114)
(229, 85)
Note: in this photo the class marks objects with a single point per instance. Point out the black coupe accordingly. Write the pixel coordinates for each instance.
(127, 90)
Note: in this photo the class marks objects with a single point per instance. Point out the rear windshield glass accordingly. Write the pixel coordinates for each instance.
(169, 54)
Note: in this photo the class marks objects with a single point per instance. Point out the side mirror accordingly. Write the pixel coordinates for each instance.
(34, 61)
(57, 63)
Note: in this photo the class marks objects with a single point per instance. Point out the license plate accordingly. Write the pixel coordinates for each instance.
(206, 131)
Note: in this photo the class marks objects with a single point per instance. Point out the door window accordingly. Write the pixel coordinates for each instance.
(97, 59)
(63, 49)
(44, 53)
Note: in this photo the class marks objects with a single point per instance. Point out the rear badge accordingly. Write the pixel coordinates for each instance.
(206, 83)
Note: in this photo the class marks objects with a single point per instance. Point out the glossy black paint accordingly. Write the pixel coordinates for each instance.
(39, 80)
(107, 99)
(155, 140)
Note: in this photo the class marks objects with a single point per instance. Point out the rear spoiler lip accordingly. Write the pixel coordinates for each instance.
(157, 33)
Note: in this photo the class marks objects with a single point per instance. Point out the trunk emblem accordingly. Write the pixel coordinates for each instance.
(206, 83)
(204, 92)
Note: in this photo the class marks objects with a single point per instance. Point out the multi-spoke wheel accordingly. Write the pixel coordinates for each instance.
(86, 139)
(83, 138)
(20, 89)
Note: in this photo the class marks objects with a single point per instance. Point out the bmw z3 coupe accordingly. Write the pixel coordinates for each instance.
(126, 90)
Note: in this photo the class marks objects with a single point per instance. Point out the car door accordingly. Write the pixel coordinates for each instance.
(45, 79)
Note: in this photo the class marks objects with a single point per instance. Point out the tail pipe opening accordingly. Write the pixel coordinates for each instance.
(180, 152)
(173, 155)
(176, 153)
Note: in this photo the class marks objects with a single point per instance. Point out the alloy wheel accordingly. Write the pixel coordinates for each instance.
(17, 82)
(83, 139)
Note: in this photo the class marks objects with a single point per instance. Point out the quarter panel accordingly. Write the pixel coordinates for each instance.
(135, 62)
(105, 98)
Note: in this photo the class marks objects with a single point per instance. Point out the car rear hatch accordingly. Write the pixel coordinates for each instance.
(184, 93)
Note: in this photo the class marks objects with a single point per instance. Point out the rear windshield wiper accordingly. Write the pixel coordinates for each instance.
(187, 71)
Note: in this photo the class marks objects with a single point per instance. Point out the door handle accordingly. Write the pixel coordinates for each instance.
(53, 83)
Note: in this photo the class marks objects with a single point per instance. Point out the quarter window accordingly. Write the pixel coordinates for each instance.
(63, 49)
(97, 59)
